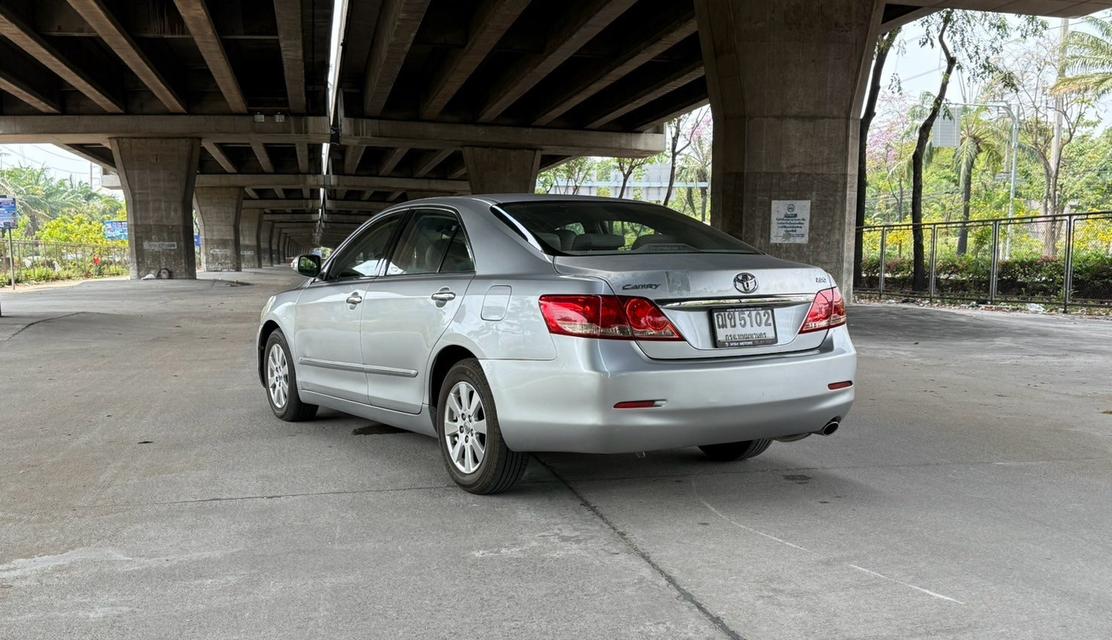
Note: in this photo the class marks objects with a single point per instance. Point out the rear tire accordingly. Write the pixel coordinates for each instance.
(730, 451)
(281, 382)
(475, 454)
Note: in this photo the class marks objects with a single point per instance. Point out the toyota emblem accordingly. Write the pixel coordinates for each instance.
(745, 282)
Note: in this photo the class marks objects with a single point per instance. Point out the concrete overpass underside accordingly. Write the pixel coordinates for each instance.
(223, 107)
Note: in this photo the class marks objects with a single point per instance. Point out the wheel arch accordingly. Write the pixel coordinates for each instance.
(269, 327)
(442, 362)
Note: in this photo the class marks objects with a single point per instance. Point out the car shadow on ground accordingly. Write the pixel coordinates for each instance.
(770, 479)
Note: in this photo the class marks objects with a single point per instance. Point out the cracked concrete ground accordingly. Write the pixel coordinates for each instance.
(146, 492)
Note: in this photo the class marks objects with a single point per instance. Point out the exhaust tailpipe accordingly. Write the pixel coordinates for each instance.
(829, 427)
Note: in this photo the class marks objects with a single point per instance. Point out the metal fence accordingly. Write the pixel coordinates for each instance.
(1063, 260)
(46, 261)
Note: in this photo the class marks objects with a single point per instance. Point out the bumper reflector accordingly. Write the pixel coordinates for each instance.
(834, 386)
(639, 404)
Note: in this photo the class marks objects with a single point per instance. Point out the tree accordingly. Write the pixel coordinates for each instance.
(570, 175)
(77, 228)
(695, 167)
(680, 135)
(1088, 60)
(1050, 121)
(919, 272)
(627, 167)
(40, 198)
(884, 45)
(979, 137)
(978, 38)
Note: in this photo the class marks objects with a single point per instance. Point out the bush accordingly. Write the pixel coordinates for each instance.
(1022, 277)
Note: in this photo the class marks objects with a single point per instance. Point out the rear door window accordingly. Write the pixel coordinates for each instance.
(432, 242)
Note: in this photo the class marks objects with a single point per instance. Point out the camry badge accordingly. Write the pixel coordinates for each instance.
(745, 282)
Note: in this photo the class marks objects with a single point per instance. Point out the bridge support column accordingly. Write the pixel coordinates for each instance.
(249, 238)
(495, 170)
(786, 82)
(219, 211)
(272, 245)
(265, 258)
(157, 176)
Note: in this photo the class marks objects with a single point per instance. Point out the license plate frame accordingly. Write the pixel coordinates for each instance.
(744, 317)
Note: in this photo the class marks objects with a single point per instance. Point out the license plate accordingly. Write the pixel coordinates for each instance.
(743, 327)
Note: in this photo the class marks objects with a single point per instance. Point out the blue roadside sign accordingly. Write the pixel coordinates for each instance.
(115, 230)
(7, 213)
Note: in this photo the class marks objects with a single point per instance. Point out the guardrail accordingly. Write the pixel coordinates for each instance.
(1062, 260)
(47, 261)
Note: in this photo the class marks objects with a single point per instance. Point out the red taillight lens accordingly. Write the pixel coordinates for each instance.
(826, 312)
(615, 317)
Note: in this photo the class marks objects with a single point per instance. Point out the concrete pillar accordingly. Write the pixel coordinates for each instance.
(265, 228)
(272, 245)
(157, 176)
(786, 81)
(248, 238)
(494, 170)
(218, 209)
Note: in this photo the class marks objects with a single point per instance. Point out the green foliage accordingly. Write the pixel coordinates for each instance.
(1021, 278)
(41, 199)
(76, 228)
(1089, 60)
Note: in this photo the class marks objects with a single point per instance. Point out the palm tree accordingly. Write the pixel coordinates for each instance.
(39, 197)
(1089, 60)
(980, 138)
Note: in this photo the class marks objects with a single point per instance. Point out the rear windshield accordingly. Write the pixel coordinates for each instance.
(601, 227)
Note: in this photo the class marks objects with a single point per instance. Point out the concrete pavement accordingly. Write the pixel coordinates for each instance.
(146, 491)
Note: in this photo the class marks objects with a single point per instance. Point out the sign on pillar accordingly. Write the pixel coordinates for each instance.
(791, 222)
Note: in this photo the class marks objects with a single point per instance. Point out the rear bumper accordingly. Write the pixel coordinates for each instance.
(567, 404)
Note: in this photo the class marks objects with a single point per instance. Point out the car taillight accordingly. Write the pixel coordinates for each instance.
(614, 317)
(826, 312)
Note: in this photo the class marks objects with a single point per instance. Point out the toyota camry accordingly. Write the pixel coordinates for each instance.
(506, 325)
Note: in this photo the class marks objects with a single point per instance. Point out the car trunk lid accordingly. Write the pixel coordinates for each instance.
(689, 288)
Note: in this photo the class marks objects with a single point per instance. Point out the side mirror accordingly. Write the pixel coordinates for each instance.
(307, 265)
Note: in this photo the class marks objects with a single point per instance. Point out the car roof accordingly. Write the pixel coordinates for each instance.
(506, 198)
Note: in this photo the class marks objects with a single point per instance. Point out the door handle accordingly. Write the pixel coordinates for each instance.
(444, 295)
(354, 299)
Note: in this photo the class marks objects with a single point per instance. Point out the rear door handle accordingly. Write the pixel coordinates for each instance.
(354, 299)
(443, 295)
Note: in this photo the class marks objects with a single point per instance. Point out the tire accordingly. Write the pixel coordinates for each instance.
(730, 451)
(471, 443)
(281, 375)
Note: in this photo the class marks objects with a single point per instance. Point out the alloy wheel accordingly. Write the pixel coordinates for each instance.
(465, 427)
(278, 376)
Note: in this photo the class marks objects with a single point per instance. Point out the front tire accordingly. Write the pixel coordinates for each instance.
(281, 382)
(475, 454)
(730, 451)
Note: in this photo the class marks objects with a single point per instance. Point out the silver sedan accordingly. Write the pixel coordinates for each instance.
(504, 325)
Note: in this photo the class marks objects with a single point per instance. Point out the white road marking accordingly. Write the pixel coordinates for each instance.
(743, 527)
(907, 584)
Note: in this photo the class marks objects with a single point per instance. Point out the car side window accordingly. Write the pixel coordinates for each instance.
(432, 242)
(363, 258)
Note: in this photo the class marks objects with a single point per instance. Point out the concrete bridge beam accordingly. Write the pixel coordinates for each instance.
(494, 170)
